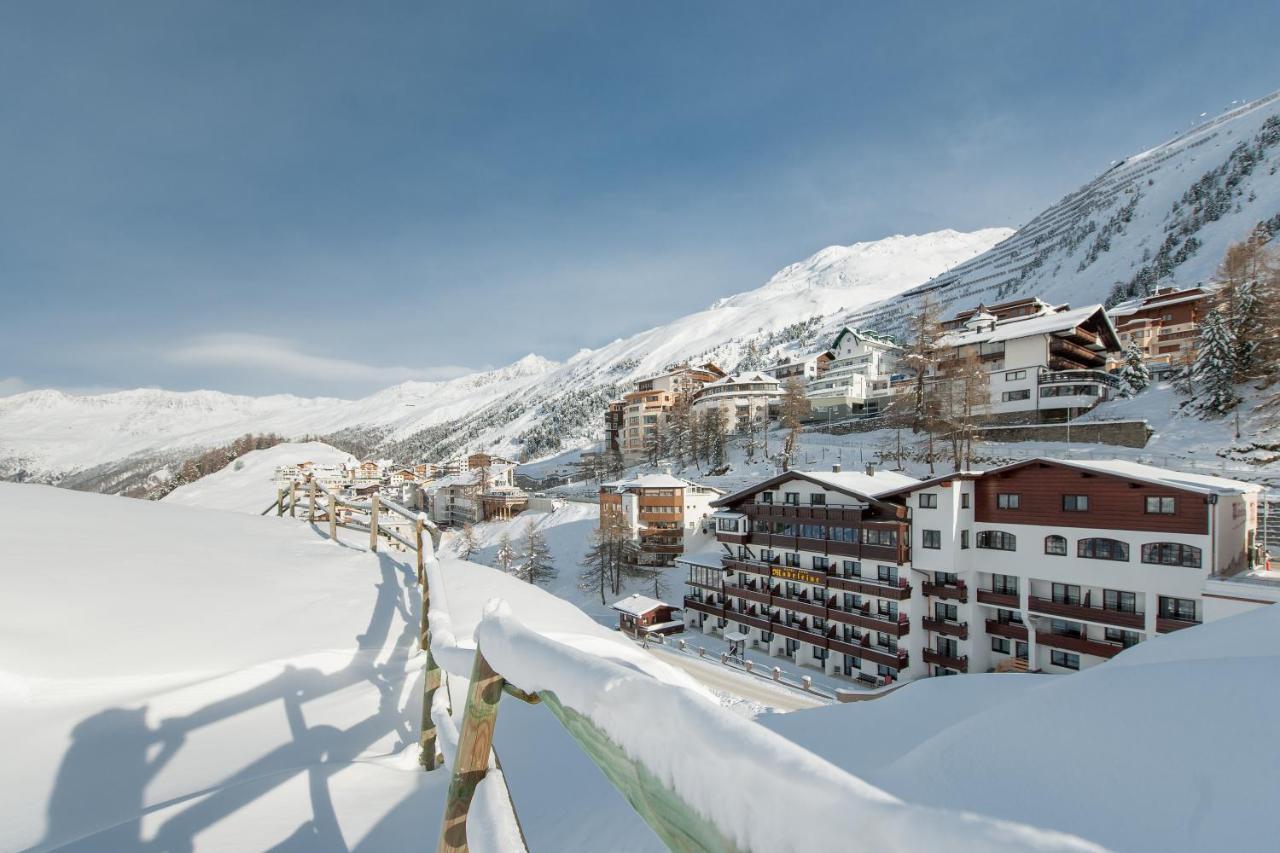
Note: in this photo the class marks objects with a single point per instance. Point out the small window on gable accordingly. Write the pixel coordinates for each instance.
(928, 500)
(1161, 505)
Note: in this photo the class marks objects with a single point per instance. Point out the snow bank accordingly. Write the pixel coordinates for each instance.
(248, 484)
(1168, 746)
(719, 763)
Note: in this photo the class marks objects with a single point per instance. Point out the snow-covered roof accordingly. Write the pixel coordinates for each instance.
(741, 378)
(1021, 327)
(638, 605)
(657, 481)
(1132, 306)
(871, 485)
(709, 559)
(468, 478)
(1201, 483)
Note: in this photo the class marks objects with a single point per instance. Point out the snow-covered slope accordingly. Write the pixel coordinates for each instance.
(247, 484)
(1164, 216)
(533, 405)
(1168, 746)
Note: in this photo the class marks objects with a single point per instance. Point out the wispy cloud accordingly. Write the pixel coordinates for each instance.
(284, 357)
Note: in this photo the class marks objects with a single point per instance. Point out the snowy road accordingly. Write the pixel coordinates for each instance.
(739, 683)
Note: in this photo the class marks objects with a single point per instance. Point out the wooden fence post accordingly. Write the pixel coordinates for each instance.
(311, 500)
(333, 516)
(293, 498)
(373, 523)
(279, 502)
(418, 526)
(472, 761)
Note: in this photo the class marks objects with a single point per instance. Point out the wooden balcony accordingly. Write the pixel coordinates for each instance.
(714, 587)
(898, 590)
(1084, 355)
(875, 654)
(798, 605)
(760, 595)
(703, 607)
(805, 513)
(960, 664)
(1012, 630)
(951, 629)
(732, 538)
(998, 599)
(1079, 612)
(898, 626)
(748, 566)
(1079, 644)
(951, 592)
(1166, 625)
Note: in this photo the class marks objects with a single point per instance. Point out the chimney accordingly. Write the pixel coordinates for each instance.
(835, 469)
(871, 470)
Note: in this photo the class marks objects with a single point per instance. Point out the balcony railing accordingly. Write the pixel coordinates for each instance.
(957, 592)
(1166, 624)
(1012, 630)
(951, 629)
(1072, 377)
(960, 664)
(1115, 618)
(998, 599)
(896, 589)
(1079, 644)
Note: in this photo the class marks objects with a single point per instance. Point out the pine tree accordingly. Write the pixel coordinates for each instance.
(1215, 369)
(536, 565)
(505, 560)
(1134, 375)
(467, 544)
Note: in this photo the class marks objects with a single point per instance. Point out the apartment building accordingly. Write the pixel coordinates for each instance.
(1164, 326)
(663, 514)
(857, 380)
(801, 367)
(639, 418)
(744, 399)
(1043, 565)
(481, 494)
(1044, 363)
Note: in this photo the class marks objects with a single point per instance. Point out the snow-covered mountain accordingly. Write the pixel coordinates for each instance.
(537, 406)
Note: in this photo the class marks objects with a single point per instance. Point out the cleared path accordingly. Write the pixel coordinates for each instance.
(739, 683)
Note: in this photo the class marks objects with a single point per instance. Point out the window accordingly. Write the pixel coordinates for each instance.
(817, 499)
(944, 612)
(1015, 375)
(793, 559)
(1055, 545)
(1011, 396)
(879, 536)
(1021, 650)
(932, 538)
(791, 498)
(1075, 503)
(997, 540)
(852, 569)
(1121, 636)
(1005, 500)
(820, 564)
(727, 525)
(1066, 660)
(1066, 593)
(1171, 554)
(1161, 506)
(1004, 584)
(964, 540)
(1063, 628)
(964, 501)
(1119, 601)
(813, 531)
(928, 500)
(1102, 549)
(887, 574)
(1000, 644)
(766, 497)
(1183, 609)
(819, 653)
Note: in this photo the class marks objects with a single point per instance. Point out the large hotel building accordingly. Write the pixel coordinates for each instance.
(1042, 565)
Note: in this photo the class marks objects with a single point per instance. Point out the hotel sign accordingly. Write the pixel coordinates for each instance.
(788, 573)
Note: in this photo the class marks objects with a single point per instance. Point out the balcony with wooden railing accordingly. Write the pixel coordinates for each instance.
(1085, 613)
(950, 629)
(960, 664)
(1012, 630)
(1080, 645)
(958, 591)
(1167, 624)
(1008, 601)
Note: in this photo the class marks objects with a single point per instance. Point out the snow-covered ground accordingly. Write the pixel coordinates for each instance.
(247, 485)
(1169, 746)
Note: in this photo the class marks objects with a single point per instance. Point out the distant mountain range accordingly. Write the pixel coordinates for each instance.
(1164, 216)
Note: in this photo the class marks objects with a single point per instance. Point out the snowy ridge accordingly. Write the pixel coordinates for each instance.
(1093, 245)
(533, 404)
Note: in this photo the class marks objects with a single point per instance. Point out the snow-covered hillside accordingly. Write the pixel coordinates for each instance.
(1168, 746)
(247, 485)
(1162, 217)
(534, 405)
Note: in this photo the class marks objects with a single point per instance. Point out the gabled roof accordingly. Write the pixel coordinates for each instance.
(746, 376)
(883, 340)
(856, 484)
(656, 481)
(933, 481)
(639, 605)
(1199, 483)
(1036, 324)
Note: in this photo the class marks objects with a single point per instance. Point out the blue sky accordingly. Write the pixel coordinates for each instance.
(329, 197)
